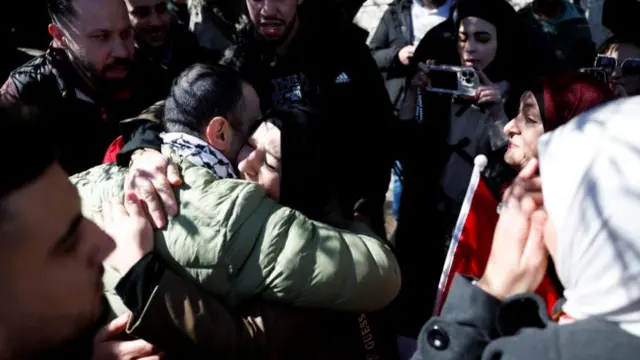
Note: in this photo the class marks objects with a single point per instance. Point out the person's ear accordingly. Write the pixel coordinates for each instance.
(219, 134)
(58, 35)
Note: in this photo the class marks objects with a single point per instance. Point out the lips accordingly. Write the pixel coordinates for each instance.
(512, 145)
(157, 35)
(271, 29)
(471, 62)
(117, 72)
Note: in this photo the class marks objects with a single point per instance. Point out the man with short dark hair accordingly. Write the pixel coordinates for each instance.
(226, 93)
(285, 57)
(50, 255)
(207, 117)
(87, 81)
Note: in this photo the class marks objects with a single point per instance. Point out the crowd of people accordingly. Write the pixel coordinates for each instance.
(146, 212)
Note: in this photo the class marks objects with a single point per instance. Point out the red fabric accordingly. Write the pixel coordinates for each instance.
(113, 150)
(474, 246)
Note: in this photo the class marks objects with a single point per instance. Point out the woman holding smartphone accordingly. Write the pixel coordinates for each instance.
(451, 131)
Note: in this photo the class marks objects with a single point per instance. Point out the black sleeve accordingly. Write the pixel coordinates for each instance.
(136, 287)
(465, 326)
(378, 121)
(141, 134)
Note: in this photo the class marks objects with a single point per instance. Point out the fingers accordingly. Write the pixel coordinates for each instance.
(535, 253)
(411, 50)
(522, 187)
(112, 329)
(173, 174)
(529, 204)
(151, 178)
(118, 211)
(143, 187)
(133, 206)
(424, 67)
(529, 170)
(420, 80)
(488, 95)
(511, 226)
(136, 349)
(167, 201)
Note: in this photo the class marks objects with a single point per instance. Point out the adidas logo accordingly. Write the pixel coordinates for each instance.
(342, 78)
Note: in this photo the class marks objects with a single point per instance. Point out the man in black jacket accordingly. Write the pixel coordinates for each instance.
(88, 80)
(297, 54)
(397, 36)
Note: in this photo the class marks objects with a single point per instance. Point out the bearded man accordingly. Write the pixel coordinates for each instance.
(88, 80)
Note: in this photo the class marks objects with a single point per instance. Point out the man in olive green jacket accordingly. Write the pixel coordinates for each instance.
(229, 236)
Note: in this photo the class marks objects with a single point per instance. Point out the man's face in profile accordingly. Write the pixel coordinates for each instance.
(50, 268)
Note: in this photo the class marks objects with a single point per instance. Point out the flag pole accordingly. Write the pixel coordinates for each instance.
(479, 163)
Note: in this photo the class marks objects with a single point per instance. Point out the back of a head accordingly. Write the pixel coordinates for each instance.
(28, 146)
(200, 93)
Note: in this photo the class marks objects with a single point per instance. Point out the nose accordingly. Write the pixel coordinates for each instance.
(154, 19)
(268, 8)
(250, 166)
(99, 247)
(511, 128)
(120, 48)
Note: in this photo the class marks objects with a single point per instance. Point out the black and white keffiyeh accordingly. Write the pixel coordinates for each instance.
(198, 152)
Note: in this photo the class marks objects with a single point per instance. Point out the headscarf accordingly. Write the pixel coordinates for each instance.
(589, 169)
(306, 179)
(503, 16)
(561, 98)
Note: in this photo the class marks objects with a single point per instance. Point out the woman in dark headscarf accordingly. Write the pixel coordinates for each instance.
(437, 165)
(544, 105)
(584, 221)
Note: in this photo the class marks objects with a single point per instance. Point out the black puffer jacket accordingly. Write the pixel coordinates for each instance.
(86, 122)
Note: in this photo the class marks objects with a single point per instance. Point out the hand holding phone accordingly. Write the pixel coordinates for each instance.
(447, 79)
